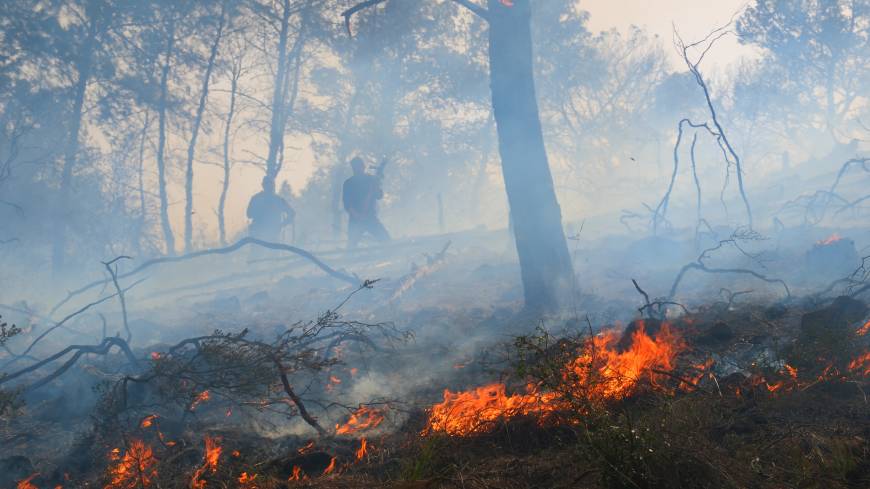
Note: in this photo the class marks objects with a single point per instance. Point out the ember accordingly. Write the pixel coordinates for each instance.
(829, 240)
(364, 418)
(861, 364)
(200, 398)
(330, 468)
(26, 483)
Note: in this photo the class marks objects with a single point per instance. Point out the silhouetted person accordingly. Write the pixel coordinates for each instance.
(360, 194)
(269, 213)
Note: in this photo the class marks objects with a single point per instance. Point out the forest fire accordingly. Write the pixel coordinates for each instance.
(600, 372)
(861, 364)
(210, 462)
(364, 418)
(136, 468)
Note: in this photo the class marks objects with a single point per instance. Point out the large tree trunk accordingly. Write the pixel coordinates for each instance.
(543, 252)
(161, 143)
(197, 122)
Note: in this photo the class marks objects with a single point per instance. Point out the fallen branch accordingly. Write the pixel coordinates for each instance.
(100, 349)
(216, 251)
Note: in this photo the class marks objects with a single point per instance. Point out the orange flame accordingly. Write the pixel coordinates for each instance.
(26, 483)
(297, 473)
(362, 449)
(148, 421)
(200, 398)
(210, 462)
(600, 372)
(330, 468)
(863, 330)
(829, 240)
(307, 448)
(861, 364)
(364, 418)
(136, 468)
(247, 481)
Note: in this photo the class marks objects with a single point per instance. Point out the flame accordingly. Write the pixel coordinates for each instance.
(600, 372)
(25, 484)
(507, 3)
(307, 448)
(297, 473)
(148, 421)
(353, 371)
(247, 481)
(362, 449)
(364, 418)
(335, 380)
(330, 468)
(861, 364)
(829, 240)
(210, 461)
(863, 330)
(136, 468)
(199, 399)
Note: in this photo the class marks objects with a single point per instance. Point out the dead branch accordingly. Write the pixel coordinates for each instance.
(120, 293)
(700, 264)
(63, 321)
(216, 251)
(101, 349)
(731, 156)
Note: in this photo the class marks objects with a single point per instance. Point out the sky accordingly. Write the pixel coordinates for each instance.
(694, 19)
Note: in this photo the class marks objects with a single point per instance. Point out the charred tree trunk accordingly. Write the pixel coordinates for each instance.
(234, 87)
(161, 143)
(197, 122)
(140, 225)
(545, 263)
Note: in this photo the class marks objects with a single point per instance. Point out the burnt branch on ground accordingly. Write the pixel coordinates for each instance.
(353, 280)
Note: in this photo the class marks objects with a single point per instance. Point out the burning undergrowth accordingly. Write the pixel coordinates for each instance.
(725, 396)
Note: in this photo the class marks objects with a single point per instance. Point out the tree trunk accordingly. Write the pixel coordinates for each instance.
(197, 122)
(545, 263)
(234, 86)
(140, 225)
(58, 252)
(161, 144)
(276, 130)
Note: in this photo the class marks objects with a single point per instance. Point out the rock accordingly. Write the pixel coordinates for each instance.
(834, 319)
(832, 258)
(721, 331)
(650, 327)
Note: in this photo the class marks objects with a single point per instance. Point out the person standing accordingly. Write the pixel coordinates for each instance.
(360, 194)
(269, 213)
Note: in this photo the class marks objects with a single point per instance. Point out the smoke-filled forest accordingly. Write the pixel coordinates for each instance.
(434, 244)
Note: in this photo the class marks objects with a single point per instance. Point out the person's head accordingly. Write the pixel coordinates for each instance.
(269, 185)
(358, 165)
